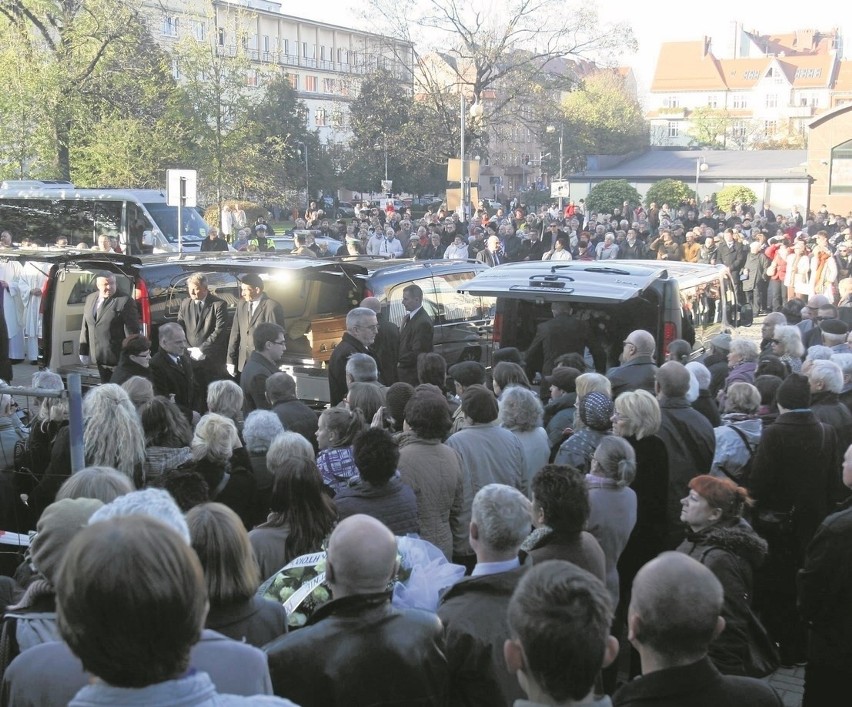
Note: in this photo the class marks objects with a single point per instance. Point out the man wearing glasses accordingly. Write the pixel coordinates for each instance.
(361, 329)
(269, 347)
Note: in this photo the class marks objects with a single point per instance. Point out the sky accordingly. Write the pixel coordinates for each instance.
(656, 21)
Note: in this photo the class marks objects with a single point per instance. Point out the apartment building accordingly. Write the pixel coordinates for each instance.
(770, 86)
(323, 62)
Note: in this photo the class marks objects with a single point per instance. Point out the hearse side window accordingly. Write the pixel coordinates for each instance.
(335, 296)
(457, 307)
(396, 311)
(85, 285)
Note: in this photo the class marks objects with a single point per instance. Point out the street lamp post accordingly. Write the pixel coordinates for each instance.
(700, 166)
(552, 129)
(307, 178)
(476, 112)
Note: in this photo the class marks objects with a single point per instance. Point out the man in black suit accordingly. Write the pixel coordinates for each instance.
(255, 309)
(361, 328)
(491, 256)
(171, 371)
(563, 334)
(108, 317)
(416, 335)
(385, 348)
(204, 319)
(269, 348)
(293, 413)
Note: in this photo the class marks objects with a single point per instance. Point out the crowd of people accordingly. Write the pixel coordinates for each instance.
(666, 533)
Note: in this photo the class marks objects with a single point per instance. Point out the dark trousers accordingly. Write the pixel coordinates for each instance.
(824, 686)
(775, 295)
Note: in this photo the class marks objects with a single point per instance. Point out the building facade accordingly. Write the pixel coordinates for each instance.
(323, 62)
(768, 90)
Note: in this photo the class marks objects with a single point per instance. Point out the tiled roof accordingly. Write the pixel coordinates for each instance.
(687, 66)
(801, 41)
(721, 165)
(844, 76)
(679, 70)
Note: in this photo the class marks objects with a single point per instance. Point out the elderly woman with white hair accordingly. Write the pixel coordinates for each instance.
(826, 381)
(845, 362)
(213, 446)
(260, 429)
(738, 436)
(742, 361)
(521, 413)
(704, 402)
(787, 345)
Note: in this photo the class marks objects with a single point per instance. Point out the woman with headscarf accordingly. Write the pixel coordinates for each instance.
(595, 411)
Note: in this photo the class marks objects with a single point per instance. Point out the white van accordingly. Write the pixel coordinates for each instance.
(140, 219)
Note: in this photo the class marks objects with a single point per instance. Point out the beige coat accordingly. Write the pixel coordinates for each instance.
(434, 471)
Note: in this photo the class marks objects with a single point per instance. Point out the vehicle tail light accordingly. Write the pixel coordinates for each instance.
(45, 293)
(144, 304)
(669, 335)
(368, 293)
(497, 330)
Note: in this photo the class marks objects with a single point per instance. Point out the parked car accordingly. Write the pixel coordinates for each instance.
(316, 295)
(284, 243)
(345, 210)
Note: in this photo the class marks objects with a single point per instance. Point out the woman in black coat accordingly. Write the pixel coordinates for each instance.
(135, 359)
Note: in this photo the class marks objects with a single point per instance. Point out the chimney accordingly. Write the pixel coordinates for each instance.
(705, 50)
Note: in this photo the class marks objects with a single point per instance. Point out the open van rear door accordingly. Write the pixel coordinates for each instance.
(581, 282)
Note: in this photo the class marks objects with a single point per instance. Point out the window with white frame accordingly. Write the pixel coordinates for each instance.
(740, 100)
(712, 101)
(320, 118)
(671, 102)
(170, 26)
(293, 79)
(769, 127)
(266, 43)
(329, 85)
(175, 70)
(311, 84)
(738, 129)
(771, 100)
(251, 78)
(673, 128)
(220, 36)
(199, 30)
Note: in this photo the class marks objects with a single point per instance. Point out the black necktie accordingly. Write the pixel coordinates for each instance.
(405, 320)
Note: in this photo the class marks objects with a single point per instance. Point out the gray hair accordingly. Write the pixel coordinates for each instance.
(259, 429)
(701, 372)
(520, 409)
(790, 338)
(616, 459)
(286, 446)
(362, 368)
(828, 373)
(225, 397)
(151, 502)
(112, 432)
(197, 278)
(140, 390)
(818, 352)
(356, 316)
(280, 385)
(744, 348)
(502, 515)
(844, 360)
(100, 482)
(168, 331)
(50, 409)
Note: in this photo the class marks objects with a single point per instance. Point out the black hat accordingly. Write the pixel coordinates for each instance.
(834, 326)
(252, 280)
(564, 378)
(794, 393)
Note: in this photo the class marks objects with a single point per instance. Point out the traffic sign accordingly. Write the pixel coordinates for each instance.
(560, 189)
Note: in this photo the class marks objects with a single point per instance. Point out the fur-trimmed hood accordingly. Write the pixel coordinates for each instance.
(737, 538)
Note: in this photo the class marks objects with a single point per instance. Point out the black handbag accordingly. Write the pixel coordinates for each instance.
(771, 524)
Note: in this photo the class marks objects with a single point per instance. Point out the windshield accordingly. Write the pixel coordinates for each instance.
(194, 227)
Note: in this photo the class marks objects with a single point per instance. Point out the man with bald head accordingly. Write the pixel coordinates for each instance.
(674, 614)
(810, 313)
(637, 370)
(385, 347)
(689, 439)
(358, 648)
